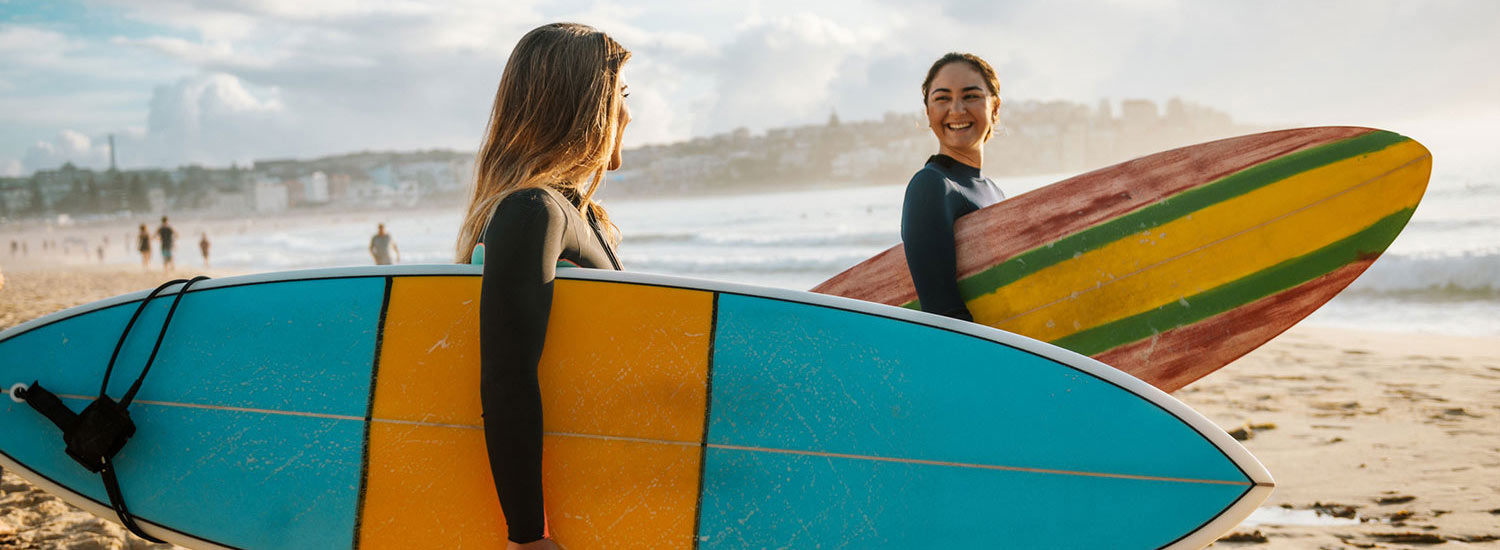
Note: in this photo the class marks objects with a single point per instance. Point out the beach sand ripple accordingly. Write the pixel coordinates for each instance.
(1398, 435)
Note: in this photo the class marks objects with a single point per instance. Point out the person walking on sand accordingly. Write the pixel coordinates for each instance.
(167, 236)
(203, 247)
(143, 244)
(383, 248)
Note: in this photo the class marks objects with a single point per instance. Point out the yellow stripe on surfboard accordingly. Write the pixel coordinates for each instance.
(1249, 233)
(622, 361)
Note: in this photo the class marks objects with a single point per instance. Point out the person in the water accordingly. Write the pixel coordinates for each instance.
(554, 130)
(962, 96)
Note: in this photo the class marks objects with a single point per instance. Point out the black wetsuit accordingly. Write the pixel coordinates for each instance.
(529, 233)
(939, 194)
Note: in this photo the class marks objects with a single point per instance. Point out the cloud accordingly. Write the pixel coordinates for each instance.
(655, 117)
(216, 119)
(210, 20)
(212, 119)
(35, 108)
(346, 76)
(197, 53)
(291, 77)
(775, 72)
(276, 30)
(66, 146)
(28, 46)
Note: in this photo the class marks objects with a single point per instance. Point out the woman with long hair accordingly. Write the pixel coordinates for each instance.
(554, 129)
(962, 97)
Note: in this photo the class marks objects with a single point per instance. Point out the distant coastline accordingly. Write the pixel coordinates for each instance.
(1036, 138)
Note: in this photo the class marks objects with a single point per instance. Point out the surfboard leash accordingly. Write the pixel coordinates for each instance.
(94, 436)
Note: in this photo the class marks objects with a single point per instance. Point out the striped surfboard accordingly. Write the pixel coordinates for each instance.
(1172, 265)
(339, 409)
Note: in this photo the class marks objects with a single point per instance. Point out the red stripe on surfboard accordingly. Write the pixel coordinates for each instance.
(1177, 357)
(997, 233)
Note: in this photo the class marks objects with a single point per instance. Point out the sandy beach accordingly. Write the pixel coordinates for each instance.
(1376, 440)
(1397, 435)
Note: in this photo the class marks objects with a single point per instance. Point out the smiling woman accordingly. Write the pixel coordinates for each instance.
(962, 95)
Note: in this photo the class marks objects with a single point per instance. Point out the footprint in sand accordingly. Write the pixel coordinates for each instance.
(1403, 391)
(1459, 411)
(1394, 498)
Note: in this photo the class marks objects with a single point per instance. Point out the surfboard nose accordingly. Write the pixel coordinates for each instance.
(821, 413)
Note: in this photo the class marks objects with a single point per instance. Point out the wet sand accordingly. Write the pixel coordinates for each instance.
(1397, 433)
(1400, 432)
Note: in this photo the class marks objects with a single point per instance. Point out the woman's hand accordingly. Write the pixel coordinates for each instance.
(544, 544)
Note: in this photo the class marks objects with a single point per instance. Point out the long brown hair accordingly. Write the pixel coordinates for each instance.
(553, 124)
(986, 72)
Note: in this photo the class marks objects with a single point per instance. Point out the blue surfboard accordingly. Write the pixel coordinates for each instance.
(338, 408)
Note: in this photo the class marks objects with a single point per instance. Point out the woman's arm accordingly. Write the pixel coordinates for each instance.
(522, 246)
(927, 233)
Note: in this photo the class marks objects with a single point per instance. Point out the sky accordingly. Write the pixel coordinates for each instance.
(213, 82)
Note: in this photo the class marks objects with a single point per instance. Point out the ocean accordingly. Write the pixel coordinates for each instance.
(1441, 275)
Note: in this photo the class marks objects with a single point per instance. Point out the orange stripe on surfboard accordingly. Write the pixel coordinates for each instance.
(622, 361)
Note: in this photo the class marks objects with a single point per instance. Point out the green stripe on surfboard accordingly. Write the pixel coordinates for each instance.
(1369, 241)
(1170, 208)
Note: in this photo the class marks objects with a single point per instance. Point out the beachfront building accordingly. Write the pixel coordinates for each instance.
(156, 197)
(53, 185)
(357, 191)
(435, 176)
(404, 193)
(315, 189)
(227, 202)
(269, 195)
(15, 195)
(857, 164)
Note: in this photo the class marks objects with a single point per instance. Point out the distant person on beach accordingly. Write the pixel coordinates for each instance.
(143, 244)
(554, 129)
(203, 247)
(383, 248)
(962, 96)
(167, 236)
(14, 246)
